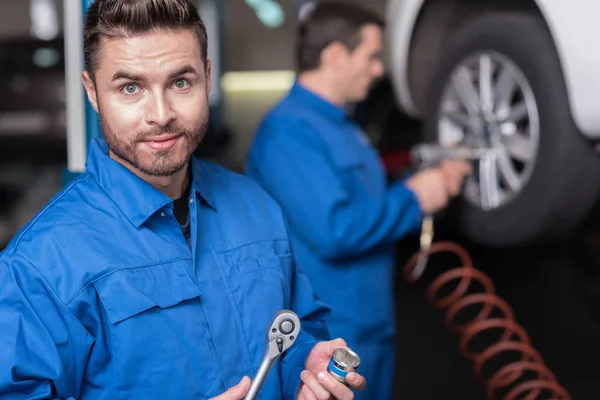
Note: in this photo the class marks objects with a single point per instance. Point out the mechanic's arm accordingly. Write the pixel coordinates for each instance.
(312, 314)
(43, 347)
(294, 168)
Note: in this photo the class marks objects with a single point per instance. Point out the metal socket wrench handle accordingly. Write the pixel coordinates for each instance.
(282, 333)
(342, 362)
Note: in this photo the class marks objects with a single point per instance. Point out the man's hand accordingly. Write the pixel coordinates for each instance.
(435, 186)
(318, 384)
(236, 392)
(430, 188)
(454, 174)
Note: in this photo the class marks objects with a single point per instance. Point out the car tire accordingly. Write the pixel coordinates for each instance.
(563, 182)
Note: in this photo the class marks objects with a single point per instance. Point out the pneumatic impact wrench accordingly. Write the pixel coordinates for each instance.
(427, 155)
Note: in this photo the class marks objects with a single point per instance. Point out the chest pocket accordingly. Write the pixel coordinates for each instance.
(259, 277)
(160, 339)
(359, 168)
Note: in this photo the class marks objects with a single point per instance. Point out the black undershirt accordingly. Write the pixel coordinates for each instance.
(181, 210)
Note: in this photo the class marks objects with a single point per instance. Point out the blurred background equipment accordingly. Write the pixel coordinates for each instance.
(32, 128)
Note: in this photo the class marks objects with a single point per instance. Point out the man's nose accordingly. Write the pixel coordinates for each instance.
(160, 111)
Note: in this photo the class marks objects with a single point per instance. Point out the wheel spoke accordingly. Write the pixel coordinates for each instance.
(504, 88)
(489, 188)
(463, 84)
(518, 112)
(507, 171)
(485, 83)
(519, 147)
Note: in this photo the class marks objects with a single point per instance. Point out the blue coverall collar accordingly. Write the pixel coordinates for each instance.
(136, 198)
(318, 103)
(202, 184)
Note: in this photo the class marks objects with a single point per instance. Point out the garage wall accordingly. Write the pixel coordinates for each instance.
(252, 46)
(15, 20)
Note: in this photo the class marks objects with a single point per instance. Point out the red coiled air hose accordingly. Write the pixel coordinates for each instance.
(511, 378)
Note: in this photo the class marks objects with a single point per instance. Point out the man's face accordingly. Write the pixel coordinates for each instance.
(364, 64)
(151, 93)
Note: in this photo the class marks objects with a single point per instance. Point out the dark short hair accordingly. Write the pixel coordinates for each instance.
(122, 18)
(329, 22)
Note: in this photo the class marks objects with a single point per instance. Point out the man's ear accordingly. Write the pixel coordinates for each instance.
(335, 55)
(208, 73)
(90, 89)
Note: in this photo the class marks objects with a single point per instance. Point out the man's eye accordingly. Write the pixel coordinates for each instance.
(129, 89)
(181, 84)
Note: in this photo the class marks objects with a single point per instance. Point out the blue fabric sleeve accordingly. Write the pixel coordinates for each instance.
(294, 168)
(43, 346)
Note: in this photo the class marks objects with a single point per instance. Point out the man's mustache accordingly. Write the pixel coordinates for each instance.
(170, 130)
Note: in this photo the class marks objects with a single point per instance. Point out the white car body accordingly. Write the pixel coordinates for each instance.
(574, 27)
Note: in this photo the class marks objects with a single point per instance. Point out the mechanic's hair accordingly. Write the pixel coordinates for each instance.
(123, 18)
(328, 22)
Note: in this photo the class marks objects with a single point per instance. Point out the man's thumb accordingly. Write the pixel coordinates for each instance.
(236, 392)
(337, 343)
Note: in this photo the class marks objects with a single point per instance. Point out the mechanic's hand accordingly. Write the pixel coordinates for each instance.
(454, 174)
(236, 392)
(430, 188)
(318, 384)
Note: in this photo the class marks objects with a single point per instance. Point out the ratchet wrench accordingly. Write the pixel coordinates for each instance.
(281, 335)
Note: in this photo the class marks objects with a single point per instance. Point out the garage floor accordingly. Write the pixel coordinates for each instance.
(555, 295)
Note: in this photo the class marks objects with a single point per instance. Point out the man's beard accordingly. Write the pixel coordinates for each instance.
(164, 163)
